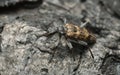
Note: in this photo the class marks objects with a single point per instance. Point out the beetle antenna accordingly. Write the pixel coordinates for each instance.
(84, 24)
(91, 52)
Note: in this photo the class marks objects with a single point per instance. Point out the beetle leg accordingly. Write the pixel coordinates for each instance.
(53, 54)
(82, 43)
(91, 52)
(63, 41)
(85, 44)
(54, 49)
(69, 44)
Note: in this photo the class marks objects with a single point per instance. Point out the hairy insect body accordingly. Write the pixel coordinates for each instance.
(73, 33)
(79, 33)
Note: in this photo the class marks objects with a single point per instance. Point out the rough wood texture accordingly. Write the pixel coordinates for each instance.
(25, 51)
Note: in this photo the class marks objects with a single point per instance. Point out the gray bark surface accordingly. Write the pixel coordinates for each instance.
(26, 51)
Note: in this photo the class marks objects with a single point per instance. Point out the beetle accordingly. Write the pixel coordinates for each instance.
(73, 33)
(80, 34)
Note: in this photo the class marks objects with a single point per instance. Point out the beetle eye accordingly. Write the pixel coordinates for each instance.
(74, 29)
